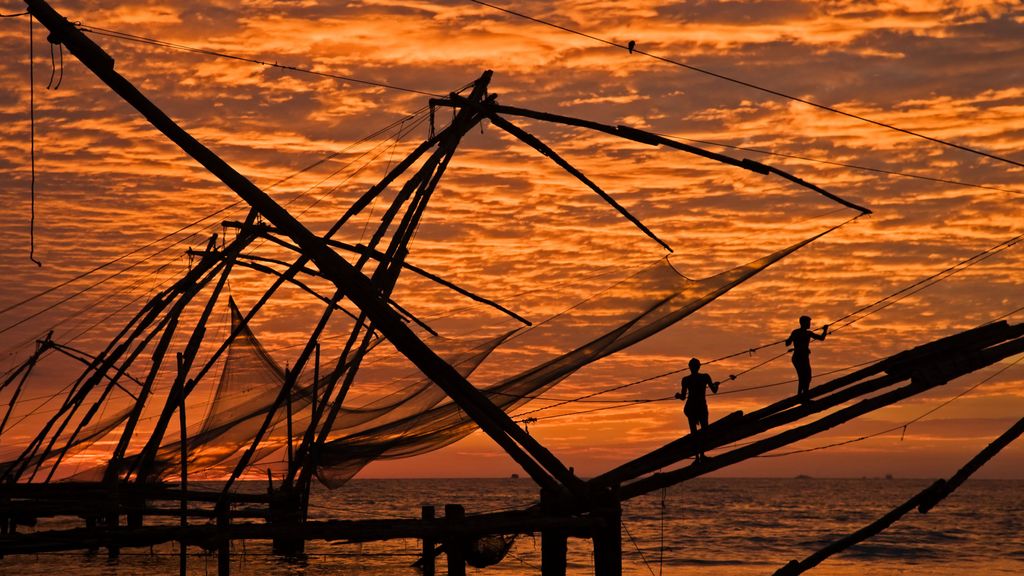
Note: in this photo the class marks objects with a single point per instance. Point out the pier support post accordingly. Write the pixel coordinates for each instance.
(553, 550)
(553, 541)
(455, 545)
(285, 515)
(223, 543)
(429, 565)
(608, 541)
(113, 520)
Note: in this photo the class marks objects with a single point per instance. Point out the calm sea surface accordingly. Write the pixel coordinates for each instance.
(728, 527)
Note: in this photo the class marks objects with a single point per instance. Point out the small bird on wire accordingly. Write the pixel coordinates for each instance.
(631, 45)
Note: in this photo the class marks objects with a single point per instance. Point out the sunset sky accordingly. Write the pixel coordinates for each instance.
(509, 224)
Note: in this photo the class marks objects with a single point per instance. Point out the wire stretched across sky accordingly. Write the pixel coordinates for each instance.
(634, 50)
(218, 54)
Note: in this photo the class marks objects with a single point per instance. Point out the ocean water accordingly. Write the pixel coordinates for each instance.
(727, 527)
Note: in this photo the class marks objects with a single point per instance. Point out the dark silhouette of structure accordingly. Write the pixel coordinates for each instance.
(694, 387)
(800, 338)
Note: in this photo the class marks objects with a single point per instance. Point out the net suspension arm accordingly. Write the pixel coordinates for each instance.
(24, 371)
(93, 375)
(386, 275)
(535, 143)
(653, 139)
(217, 269)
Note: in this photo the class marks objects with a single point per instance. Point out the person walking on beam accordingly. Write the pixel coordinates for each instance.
(694, 387)
(800, 339)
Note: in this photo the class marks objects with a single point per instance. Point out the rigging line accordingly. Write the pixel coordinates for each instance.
(81, 315)
(399, 135)
(13, 15)
(845, 165)
(115, 260)
(635, 545)
(630, 402)
(1008, 314)
(78, 293)
(399, 123)
(106, 318)
(634, 50)
(207, 52)
(519, 417)
(32, 138)
(901, 426)
(200, 220)
(970, 261)
(948, 272)
(900, 294)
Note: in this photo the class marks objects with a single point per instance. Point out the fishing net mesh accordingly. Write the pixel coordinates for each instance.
(412, 415)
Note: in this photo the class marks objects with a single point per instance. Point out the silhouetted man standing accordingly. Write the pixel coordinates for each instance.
(801, 341)
(693, 390)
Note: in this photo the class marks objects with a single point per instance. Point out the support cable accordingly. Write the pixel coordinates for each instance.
(634, 50)
(881, 304)
(32, 138)
(181, 47)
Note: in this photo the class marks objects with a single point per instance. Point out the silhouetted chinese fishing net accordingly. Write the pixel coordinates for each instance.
(409, 415)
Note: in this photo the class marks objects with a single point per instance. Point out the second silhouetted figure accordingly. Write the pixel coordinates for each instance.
(801, 341)
(694, 388)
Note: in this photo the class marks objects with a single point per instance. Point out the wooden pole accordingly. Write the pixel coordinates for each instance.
(316, 377)
(223, 544)
(608, 541)
(455, 545)
(927, 374)
(288, 416)
(183, 425)
(652, 139)
(536, 144)
(428, 557)
(553, 540)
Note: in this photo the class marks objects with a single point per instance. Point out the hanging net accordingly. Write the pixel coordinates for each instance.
(624, 314)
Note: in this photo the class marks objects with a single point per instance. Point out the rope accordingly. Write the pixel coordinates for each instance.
(639, 551)
(924, 283)
(32, 138)
(661, 544)
(634, 50)
(181, 47)
(627, 403)
(220, 211)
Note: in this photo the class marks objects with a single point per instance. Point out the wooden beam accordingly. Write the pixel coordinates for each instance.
(923, 501)
(652, 139)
